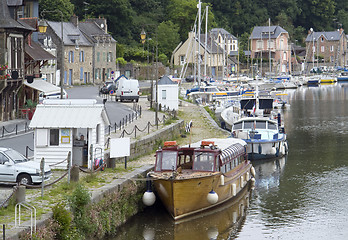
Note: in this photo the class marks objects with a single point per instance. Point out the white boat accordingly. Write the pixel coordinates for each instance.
(264, 136)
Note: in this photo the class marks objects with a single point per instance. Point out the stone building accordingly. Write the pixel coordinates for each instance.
(329, 47)
(104, 49)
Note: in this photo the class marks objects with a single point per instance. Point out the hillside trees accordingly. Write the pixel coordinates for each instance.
(50, 6)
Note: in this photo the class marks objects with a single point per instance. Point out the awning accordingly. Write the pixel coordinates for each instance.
(232, 152)
(69, 116)
(42, 86)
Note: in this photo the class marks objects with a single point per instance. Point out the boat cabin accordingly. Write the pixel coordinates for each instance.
(256, 128)
(206, 157)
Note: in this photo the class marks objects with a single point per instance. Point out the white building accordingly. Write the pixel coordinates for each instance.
(63, 126)
(168, 93)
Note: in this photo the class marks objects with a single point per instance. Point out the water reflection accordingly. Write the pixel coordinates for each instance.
(224, 222)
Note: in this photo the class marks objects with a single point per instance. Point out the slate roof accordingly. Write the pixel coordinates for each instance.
(215, 32)
(92, 29)
(36, 52)
(6, 21)
(329, 36)
(266, 31)
(69, 31)
(165, 80)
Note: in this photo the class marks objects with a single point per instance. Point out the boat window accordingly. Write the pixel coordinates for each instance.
(272, 126)
(169, 160)
(248, 124)
(158, 161)
(261, 124)
(204, 161)
(237, 126)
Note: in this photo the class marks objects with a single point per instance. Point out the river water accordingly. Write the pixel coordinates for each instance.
(302, 196)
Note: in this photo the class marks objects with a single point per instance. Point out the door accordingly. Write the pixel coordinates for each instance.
(70, 76)
(6, 169)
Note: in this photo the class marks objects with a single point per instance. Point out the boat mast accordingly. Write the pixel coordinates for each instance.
(205, 42)
(269, 45)
(199, 42)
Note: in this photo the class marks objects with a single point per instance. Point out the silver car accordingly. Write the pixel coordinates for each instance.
(14, 167)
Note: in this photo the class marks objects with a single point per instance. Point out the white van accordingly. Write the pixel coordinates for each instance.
(127, 89)
(52, 95)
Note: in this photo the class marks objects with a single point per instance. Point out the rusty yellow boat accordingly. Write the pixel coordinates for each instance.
(195, 178)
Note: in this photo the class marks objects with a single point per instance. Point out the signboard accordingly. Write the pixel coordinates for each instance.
(119, 147)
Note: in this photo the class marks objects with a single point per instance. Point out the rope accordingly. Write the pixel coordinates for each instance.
(9, 197)
(46, 185)
(58, 163)
(89, 171)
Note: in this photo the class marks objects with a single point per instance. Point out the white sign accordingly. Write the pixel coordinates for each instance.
(119, 147)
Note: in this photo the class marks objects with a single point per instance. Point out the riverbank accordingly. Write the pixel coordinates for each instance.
(118, 184)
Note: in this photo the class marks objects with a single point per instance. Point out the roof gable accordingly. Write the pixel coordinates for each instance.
(266, 32)
(165, 80)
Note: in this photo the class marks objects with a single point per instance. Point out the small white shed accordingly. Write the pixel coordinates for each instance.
(168, 93)
(63, 125)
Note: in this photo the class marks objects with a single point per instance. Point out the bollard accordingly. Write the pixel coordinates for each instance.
(69, 165)
(42, 172)
(20, 194)
(74, 175)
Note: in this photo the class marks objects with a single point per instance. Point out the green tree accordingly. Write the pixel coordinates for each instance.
(65, 6)
(168, 37)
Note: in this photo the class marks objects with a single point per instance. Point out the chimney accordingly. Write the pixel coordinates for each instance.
(341, 30)
(74, 20)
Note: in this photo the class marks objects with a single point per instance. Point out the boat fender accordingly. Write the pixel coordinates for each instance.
(282, 149)
(213, 233)
(234, 189)
(273, 151)
(149, 198)
(222, 180)
(253, 183)
(247, 176)
(260, 149)
(252, 170)
(212, 197)
(277, 152)
(241, 181)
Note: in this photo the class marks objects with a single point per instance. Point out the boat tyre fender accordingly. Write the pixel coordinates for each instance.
(252, 171)
(260, 149)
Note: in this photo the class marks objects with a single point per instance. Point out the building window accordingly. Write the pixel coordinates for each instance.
(331, 48)
(322, 48)
(98, 134)
(98, 56)
(331, 59)
(109, 57)
(81, 73)
(259, 44)
(54, 137)
(15, 53)
(104, 57)
(182, 60)
(322, 39)
(71, 57)
(82, 56)
(164, 94)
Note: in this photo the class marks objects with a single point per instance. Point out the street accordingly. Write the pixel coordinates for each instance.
(115, 110)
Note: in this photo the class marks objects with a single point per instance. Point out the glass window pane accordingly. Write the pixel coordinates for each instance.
(54, 137)
(169, 160)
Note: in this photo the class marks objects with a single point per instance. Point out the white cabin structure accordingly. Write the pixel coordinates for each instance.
(168, 93)
(75, 125)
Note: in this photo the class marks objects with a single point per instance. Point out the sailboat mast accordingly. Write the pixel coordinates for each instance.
(269, 45)
(205, 42)
(199, 42)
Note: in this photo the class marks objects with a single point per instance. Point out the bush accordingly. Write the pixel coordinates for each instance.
(63, 217)
(79, 200)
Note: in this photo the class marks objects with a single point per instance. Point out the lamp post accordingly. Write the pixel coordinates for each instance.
(313, 48)
(143, 39)
(42, 29)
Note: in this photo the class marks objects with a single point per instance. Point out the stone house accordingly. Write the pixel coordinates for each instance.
(212, 54)
(104, 49)
(331, 47)
(275, 40)
(78, 52)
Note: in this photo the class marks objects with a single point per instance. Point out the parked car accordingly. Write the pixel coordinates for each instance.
(127, 89)
(14, 167)
(107, 87)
